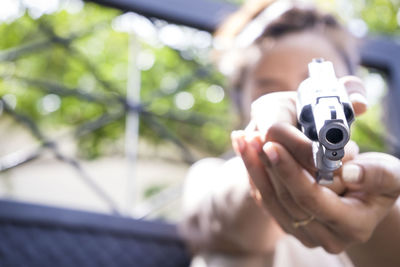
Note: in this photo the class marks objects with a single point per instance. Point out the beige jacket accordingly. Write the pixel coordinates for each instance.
(224, 227)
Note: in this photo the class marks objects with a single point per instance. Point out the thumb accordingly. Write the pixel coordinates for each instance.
(357, 93)
(373, 173)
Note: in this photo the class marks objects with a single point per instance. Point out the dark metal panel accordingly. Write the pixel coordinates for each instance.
(25, 213)
(201, 14)
(383, 54)
(40, 236)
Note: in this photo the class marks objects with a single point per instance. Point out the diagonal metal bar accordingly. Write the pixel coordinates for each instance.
(14, 53)
(80, 56)
(159, 201)
(59, 89)
(24, 120)
(96, 124)
(169, 135)
(62, 90)
(85, 177)
(19, 158)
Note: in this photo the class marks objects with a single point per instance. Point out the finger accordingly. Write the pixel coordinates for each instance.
(237, 141)
(351, 150)
(260, 179)
(325, 237)
(282, 194)
(315, 231)
(316, 200)
(357, 93)
(338, 186)
(253, 165)
(255, 193)
(374, 173)
(298, 145)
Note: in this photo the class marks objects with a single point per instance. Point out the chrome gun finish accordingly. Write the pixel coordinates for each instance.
(325, 114)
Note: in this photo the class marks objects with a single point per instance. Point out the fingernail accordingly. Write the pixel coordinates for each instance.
(253, 139)
(351, 173)
(237, 142)
(256, 144)
(357, 97)
(256, 195)
(271, 153)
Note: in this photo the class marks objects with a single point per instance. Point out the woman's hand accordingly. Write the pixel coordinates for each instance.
(279, 161)
(281, 106)
(281, 174)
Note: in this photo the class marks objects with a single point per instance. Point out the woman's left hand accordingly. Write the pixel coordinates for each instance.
(281, 177)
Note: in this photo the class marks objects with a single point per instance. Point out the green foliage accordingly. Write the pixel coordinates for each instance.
(380, 15)
(368, 131)
(82, 62)
(81, 59)
(153, 190)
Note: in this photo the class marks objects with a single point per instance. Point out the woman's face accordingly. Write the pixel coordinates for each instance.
(284, 65)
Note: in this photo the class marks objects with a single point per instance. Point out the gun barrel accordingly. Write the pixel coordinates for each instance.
(331, 125)
(325, 115)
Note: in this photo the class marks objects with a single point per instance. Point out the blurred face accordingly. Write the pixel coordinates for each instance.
(284, 65)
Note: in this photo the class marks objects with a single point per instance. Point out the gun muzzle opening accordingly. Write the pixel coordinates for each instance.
(334, 135)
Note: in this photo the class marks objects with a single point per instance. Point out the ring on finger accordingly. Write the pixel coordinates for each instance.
(300, 223)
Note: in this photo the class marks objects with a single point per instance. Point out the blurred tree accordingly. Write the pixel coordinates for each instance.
(380, 17)
(69, 69)
(363, 18)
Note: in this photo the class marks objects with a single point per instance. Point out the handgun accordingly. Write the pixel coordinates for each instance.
(325, 115)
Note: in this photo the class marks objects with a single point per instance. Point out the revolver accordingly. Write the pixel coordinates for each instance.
(325, 115)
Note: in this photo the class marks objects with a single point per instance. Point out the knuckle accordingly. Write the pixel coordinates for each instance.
(308, 243)
(309, 202)
(379, 179)
(360, 235)
(286, 228)
(303, 238)
(285, 197)
(332, 221)
(382, 179)
(277, 129)
(305, 200)
(332, 247)
(267, 195)
(273, 131)
(269, 201)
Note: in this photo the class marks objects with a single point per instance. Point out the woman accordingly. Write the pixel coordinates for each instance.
(235, 221)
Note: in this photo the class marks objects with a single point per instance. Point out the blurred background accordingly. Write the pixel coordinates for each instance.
(105, 110)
